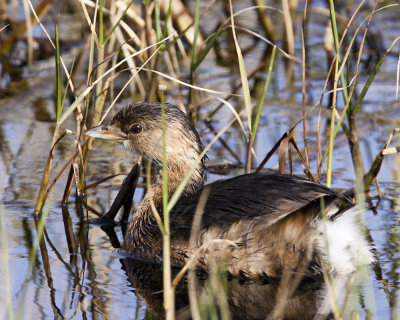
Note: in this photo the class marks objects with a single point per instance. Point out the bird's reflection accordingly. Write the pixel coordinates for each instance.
(245, 299)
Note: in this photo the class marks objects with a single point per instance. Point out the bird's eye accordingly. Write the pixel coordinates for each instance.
(135, 128)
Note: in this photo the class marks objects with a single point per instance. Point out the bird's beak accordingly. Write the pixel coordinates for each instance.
(107, 131)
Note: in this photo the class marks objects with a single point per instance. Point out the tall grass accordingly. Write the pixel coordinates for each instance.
(256, 119)
(243, 74)
(5, 263)
(168, 299)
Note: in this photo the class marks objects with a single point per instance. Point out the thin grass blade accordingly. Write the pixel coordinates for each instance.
(242, 69)
(5, 259)
(59, 99)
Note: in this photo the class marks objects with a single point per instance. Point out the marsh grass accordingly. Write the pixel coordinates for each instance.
(116, 48)
(5, 264)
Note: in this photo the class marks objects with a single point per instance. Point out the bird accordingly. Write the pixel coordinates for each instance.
(253, 225)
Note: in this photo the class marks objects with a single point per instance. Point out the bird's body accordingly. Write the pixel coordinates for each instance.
(257, 225)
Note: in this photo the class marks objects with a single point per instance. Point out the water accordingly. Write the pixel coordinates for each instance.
(92, 280)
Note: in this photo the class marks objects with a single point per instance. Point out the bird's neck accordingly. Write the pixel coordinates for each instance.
(142, 221)
(176, 175)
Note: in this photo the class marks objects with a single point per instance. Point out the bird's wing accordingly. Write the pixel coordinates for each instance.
(271, 195)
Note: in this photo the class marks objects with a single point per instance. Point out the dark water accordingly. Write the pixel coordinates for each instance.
(94, 281)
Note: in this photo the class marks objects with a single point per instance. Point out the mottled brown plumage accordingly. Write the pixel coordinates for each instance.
(272, 222)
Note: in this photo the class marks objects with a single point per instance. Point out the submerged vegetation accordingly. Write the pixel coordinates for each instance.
(162, 51)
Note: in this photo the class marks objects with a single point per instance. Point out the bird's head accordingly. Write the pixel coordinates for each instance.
(139, 128)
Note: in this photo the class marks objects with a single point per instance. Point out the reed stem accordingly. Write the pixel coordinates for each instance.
(168, 299)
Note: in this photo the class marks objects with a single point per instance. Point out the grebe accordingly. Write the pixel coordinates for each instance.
(273, 221)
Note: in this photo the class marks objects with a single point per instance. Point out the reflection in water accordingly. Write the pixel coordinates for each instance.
(224, 298)
(244, 300)
(254, 299)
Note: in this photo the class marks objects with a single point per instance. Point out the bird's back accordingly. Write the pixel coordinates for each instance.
(270, 195)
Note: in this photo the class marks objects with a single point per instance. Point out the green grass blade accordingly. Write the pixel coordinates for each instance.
(73, 106)
(203, 53)
(101, 24)
(337, 48)
(68, 82)
(364, 91)
(330, 148)
(59, 105)
(264, 93)
(166, 235)
(157, 19)
(164, 164)
(242, 69)
(165, 29)
(196, 34)
(5, 259)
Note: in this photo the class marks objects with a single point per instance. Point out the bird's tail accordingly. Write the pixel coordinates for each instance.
(343, 239)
